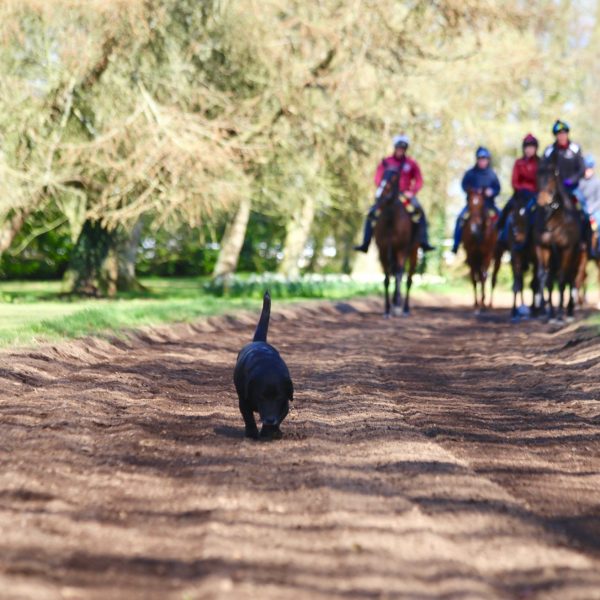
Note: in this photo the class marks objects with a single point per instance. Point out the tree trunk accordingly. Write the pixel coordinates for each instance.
(94, 266)
(11, 228)
(297, 233)
(127, 260)
(104, 260)
(233, 240)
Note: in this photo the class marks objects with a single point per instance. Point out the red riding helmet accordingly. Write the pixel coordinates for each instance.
(530, 140)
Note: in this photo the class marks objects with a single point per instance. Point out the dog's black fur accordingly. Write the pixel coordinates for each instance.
(262, 381)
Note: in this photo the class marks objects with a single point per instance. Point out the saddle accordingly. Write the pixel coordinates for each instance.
(412, 211)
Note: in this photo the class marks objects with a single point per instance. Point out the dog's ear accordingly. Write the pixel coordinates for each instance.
(290, 390)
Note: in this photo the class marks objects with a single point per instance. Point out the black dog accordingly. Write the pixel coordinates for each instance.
(262, 381)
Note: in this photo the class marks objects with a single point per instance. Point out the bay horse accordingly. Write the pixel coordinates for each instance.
(557, 238)
(397, 242)
(581, 277)
(522, 249)
(479, 238)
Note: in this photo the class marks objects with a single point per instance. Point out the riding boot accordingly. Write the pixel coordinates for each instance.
(588, 235)
(458, 233)
(367, 234)
(424, 235)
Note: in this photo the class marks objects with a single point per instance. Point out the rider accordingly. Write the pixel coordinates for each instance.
(410, 184)
(524, 178)
(589, 186)
(571, 168)
(479, 177)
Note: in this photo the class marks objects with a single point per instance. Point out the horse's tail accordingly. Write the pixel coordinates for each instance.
(260, 335)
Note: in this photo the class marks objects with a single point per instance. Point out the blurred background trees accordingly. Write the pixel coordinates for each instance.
(199, 137)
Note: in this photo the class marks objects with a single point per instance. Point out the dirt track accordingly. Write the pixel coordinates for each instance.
(434, 457)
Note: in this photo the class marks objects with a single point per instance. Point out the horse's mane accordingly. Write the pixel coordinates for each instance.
(388, 177)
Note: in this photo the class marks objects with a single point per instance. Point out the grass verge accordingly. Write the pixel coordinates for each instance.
(34, 312)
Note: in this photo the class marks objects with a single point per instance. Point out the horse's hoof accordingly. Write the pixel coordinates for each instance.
(570, 319)
(397, 311)
(406, 313)
(524, 311)
(516, 319)
(386, 315)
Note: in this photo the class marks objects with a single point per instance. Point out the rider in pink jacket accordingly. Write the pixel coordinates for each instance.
(410, 184)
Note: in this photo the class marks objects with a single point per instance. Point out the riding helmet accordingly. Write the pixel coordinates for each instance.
(530, 140)
(590, 161)
(560, 126)
(483, 152)
(401, 141)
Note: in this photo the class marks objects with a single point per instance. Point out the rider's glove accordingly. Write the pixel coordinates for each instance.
(489, 192)
(568, 182)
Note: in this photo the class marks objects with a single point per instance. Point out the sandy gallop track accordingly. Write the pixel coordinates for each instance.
(431, 457)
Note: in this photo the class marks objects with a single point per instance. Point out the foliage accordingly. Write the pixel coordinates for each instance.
(173, 110)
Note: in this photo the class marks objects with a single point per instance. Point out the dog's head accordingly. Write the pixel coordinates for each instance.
(272, 396)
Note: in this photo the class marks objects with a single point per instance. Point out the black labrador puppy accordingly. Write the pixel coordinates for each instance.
(263, 382)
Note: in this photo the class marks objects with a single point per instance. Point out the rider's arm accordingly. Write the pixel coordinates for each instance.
(495, 185)
(580, 173)
(465, 181)
(516, 176)
(416, 182)
(379, 173)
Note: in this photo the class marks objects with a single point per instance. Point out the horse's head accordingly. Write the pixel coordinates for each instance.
(548, 184)
(552, 196)
(388, 189)
(520, 219)
(476, 204)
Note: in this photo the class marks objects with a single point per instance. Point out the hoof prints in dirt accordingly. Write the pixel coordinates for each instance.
(459, 459)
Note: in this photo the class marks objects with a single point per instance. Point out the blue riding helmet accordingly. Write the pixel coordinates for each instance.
(590, 161)
(483, 152)
(401, 141)
(560, 126)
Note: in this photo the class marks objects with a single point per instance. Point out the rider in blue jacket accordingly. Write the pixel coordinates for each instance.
(479, 177)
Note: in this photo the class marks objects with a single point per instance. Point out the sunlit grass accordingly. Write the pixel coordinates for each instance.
(34, 312)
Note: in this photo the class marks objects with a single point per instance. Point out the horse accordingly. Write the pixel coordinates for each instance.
(521, 248)
(557, 239)
(397, 242)
(479, 238)
(590, 255)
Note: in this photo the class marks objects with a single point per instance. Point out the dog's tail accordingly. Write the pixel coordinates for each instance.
(260, 335)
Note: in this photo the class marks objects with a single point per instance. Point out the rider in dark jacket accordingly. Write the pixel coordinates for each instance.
(479, 177)
(568, 157)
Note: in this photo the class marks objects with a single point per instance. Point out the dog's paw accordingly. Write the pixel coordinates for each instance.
(252, 433)
(269, 433)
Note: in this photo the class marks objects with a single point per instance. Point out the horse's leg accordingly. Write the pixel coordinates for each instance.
(550, 286)
(475, 296)
(386, 283)
(411, 271)
(498, 252)
(398, 268)
(538, 297)
(598, 276)
(398, 290)
(482, 280)
(565, 276)
(517, 283)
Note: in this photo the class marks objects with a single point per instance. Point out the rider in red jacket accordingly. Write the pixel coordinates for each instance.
(410, 184)
(524, 175)
(524, 178)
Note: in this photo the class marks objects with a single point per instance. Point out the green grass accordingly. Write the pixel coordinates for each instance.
(33, 312)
